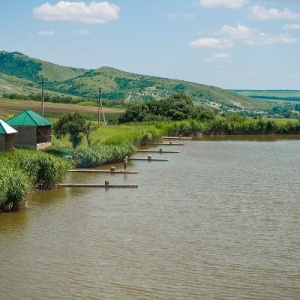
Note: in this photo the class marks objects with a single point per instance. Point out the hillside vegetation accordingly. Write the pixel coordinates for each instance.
(22, 74)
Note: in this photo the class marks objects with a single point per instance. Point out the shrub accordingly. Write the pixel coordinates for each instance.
(44, 170)
(97, 155)
(14, 184)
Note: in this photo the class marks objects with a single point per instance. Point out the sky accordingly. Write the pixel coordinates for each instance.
(232, 44)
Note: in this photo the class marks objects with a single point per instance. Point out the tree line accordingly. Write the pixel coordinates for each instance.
(175, 108)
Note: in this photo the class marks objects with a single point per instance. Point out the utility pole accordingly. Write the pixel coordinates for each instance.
(42, 96)
(100, 108)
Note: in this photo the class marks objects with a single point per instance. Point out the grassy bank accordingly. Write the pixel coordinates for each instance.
(227, 126)
(26, 169)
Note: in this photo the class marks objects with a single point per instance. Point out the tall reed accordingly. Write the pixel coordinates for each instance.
(14, 184)
(25, 169)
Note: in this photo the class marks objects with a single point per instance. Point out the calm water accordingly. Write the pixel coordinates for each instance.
(219, 220)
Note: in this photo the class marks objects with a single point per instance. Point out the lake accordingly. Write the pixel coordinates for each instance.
(219, 220)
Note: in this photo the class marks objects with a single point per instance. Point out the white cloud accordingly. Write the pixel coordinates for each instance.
(219, 57)
(265, 39)
(82, 32)
(174, 16)
(260, 13)
(93, 13)
(254, 37)
(211, 43)
(239, 32)
(234, 4)
(46, 32)
(291, 26)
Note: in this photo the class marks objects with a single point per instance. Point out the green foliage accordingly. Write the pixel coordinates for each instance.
(75, 125)
(14, 184)
(44, 170)
(25, 169)
(232, 125)
(114, 149)
(176, 107)
(19, 65)
(137, 138)
(98, 154)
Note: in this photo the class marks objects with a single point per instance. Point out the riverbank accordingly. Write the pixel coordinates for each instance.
(26, 170)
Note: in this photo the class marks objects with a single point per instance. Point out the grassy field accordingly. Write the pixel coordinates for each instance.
(53, 111)
(274, 96)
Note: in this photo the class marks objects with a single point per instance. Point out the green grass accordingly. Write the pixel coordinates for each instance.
(53, 111)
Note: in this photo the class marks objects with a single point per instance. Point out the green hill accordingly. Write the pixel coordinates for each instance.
(22, 74)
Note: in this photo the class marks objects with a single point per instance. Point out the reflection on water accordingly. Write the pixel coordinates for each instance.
(218, 220)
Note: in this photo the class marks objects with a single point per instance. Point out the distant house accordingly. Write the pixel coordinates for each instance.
(7, 136)
(33, 130)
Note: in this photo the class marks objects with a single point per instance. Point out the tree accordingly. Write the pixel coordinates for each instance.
(175, 108)
(76, 126)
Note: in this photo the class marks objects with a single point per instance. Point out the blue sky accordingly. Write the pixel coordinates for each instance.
(233, 44)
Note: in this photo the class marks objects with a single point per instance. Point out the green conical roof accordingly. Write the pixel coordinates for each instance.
(5, 128)
(28, 118)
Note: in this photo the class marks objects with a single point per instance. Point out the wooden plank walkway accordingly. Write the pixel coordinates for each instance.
(176, 137)
(149, 159)
(106, 185)
(158, 151)
(166, 144)
(104, 171)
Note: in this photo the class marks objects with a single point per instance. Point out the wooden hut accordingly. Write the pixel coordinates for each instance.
(7, 136)
(33, 130)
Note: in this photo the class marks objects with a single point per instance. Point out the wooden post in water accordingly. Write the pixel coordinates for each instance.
(106, 183)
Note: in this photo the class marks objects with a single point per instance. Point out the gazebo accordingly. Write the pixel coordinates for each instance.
(7, 136)
(34, 131)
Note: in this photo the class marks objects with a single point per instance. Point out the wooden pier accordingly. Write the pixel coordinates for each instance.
(111, 171)
(176, 138)
(166, 144)
(149, 158)
(106, 185)
(158, 151)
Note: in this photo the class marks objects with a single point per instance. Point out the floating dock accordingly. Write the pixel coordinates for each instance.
(106, 185)
(111, 171)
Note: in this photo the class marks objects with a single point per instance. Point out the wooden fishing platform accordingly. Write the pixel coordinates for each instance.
(111, 171)
(149, 158)
(158, 151)
(176, 138)
(106, 185)
(166, 144)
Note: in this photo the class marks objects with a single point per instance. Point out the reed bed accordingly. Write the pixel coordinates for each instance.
(24, 170)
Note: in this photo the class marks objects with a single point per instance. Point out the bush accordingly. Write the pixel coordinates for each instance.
(97, 155)
(14, 184)
(44, 170)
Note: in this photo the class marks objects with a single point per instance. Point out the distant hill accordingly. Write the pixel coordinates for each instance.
(22, 74)
(272, 95)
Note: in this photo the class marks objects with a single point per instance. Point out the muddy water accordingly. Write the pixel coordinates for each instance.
(219, 220)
